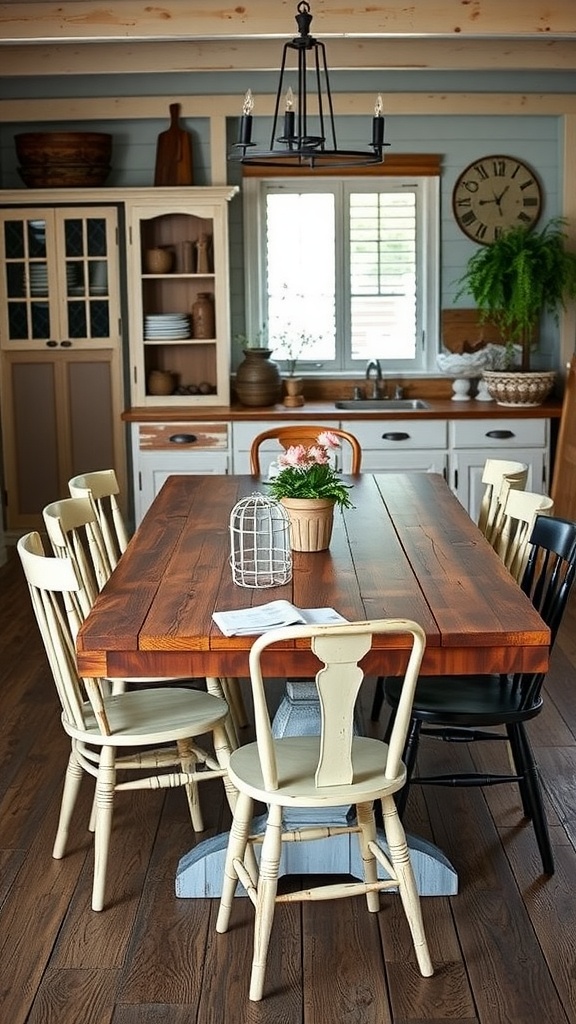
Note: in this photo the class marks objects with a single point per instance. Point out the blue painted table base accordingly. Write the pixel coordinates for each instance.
(200, 871)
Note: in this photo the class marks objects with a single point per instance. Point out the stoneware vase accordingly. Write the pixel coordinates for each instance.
(311, 521)
(258, 380)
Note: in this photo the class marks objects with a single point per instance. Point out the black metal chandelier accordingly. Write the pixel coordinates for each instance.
(296, 146)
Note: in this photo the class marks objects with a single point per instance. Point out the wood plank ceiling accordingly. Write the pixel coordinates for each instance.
(87, 37)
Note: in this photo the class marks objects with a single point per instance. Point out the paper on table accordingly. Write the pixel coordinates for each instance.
(261, 618)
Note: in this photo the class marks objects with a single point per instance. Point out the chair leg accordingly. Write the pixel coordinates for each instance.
(188, 763)
(409, 758)
(517, 764)
(70, 792)
(534, 792)
(237, 846)
(400, 857)
(105, 785)
(378, 699)
(367, 834)
(266, 899)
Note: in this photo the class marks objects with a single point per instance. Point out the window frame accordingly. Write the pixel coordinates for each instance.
(255, 188)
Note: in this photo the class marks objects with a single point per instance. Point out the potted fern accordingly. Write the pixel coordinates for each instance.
(521, 275)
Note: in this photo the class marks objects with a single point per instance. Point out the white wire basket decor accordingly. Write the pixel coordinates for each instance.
(260, 551)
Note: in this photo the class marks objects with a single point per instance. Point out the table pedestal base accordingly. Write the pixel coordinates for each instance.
(200, 872)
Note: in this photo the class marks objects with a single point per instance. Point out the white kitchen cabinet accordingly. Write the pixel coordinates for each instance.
(392, 446)
(162, 449)
(518, 440)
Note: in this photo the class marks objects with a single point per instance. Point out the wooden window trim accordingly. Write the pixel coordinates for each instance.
(397, 165)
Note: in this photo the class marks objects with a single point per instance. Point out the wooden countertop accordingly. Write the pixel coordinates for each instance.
(326, 411)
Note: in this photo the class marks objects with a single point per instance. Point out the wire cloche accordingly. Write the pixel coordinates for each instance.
(260, 551)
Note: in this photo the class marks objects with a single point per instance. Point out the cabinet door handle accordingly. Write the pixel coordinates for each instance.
(500, 435)
(396, 435)
(51, 344)
(182, 438)
(66, 344)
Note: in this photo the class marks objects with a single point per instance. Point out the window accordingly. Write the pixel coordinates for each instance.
(347, 270)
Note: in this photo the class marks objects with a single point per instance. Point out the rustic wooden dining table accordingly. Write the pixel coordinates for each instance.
(406, 549)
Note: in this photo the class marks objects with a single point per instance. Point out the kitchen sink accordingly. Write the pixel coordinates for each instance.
(386, 404)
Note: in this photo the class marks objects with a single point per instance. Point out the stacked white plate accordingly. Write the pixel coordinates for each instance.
(171, 326)
(38, 279)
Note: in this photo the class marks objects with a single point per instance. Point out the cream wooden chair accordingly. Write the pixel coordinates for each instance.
(101, 488)
(100, 725)
(520, 509)
(332, 770)
(301, 433)
(73, 530)
(499, 476)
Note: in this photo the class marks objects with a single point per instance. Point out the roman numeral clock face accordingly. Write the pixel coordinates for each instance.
(494, 194)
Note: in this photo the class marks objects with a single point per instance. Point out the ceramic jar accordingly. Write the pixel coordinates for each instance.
(158, 261)
(203, 317)
(258, 380)
(160, 382)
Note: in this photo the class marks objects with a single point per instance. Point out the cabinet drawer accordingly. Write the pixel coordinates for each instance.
(498, 433)
(182, 436)
(393, 435)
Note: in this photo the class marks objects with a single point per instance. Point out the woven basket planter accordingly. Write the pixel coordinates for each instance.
(519, 388)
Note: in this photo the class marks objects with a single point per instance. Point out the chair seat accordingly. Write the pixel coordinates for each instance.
(297, 760)
(465, 700)
(151, 716)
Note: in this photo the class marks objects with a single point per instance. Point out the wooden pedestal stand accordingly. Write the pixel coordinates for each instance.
(293, 397)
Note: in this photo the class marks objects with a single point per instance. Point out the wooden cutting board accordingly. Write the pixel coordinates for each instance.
(174, 153)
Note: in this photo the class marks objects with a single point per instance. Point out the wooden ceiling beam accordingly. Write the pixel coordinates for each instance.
(209, 19)
(24, 60)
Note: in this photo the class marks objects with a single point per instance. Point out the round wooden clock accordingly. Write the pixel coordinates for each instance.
(493, 194)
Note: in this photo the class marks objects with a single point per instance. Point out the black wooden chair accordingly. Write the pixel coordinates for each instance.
(463, 708)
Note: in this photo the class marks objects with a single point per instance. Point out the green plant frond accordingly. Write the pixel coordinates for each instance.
(519, 276)
(319, 481)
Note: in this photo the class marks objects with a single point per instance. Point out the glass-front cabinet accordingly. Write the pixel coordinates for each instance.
(60, 285)
(179, 298)
(60, 351)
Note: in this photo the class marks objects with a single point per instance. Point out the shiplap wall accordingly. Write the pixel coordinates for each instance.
(458, 138)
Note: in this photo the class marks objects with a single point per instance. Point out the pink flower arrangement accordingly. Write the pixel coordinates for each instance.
(307, 472)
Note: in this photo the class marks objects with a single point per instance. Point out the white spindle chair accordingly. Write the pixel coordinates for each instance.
(334, 769)
(158, 725)
(102, 489)
(498, 476)
(520, 509)
(73, 530)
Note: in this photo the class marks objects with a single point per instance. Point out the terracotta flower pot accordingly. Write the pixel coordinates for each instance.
(311, 522)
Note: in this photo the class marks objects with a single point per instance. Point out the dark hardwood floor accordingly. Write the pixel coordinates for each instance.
(503, 948)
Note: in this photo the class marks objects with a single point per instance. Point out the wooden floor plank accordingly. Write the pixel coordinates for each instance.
(503, 948)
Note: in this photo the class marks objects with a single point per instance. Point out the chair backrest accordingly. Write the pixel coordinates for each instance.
(520, 509)
(101, 486)
(499, 476)
(74, 532)
(301, 433)
(339, 648)
(55, 591)
(551, 567)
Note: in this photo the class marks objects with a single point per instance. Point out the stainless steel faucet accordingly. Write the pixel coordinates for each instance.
(371, 366)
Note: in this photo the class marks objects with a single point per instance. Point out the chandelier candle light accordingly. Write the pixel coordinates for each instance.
(298, 146)
(308, 486)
